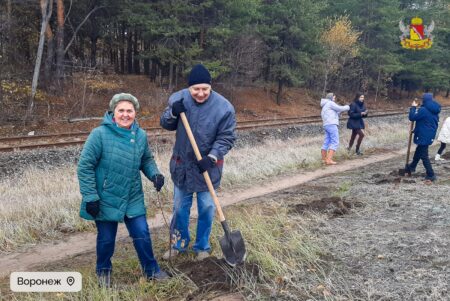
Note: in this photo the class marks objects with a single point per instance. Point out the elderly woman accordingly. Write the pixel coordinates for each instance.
(111, 187)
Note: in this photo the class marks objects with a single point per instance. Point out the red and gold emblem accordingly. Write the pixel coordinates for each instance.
(416, 35)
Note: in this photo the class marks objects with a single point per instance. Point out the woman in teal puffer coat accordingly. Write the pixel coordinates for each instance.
(109, 173)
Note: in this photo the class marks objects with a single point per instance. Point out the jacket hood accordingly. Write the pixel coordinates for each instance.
(324, 101)
(429, 103)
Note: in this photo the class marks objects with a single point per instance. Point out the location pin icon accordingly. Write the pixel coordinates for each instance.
(70, 280)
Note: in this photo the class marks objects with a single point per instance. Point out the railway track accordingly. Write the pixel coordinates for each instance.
(8, 144)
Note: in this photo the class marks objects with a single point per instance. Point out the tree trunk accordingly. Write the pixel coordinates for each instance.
(202, 31)
(50, 56)
(129, 52)
(325, 81)
(46, 12)
(136, 61)
(447, 93)
(280, 91)
(153, 70)
(146, 60)
(170, 75)
(122, 49)
(6, 51)
(177, 67)
(60, 45)
(160, 75)
(94, 51)
(378, 83)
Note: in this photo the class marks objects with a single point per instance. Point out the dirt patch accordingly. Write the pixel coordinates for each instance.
(215, 275)
(334, 206)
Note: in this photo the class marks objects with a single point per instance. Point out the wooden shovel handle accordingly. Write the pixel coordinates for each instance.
(205, 174)
(411, 128)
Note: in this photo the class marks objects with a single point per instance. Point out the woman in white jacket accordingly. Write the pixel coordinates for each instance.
(330, 117)
(444, 138)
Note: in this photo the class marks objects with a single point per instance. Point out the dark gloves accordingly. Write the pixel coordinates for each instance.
(158, 181)
(205, 163)
(178, 107)
(93, 208)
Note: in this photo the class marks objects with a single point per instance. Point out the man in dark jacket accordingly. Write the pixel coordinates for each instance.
(427, 119)
(213, 122)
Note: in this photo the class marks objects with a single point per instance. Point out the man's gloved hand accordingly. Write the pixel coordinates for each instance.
(93, 208)
(205, 163)
(158, 181)
(178, 107)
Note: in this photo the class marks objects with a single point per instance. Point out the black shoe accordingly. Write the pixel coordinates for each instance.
(359, 153)
(159, 276)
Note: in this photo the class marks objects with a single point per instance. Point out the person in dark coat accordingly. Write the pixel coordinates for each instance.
(355, 122)
(427, 120)
(109, 174)
(213, 122)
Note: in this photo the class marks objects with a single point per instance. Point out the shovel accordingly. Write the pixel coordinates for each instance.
(232, 243)
(403, 171)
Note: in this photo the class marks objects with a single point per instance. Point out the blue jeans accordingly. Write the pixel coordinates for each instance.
(179, 228)
(421, 153)
(331, 140)
(138, 230)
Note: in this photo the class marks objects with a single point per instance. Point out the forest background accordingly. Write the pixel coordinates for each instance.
(57, 56)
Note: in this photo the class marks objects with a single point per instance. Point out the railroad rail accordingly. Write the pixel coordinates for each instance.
(8, 144)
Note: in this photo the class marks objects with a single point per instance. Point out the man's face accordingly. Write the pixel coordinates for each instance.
(200, 92)
(124, 114)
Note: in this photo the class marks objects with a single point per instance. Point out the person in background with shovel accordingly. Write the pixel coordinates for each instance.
(427, 119)
(213, 122)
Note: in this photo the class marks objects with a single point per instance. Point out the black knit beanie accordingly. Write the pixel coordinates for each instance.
(199, 75)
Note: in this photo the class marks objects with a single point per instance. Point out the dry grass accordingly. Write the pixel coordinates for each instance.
(42, 204)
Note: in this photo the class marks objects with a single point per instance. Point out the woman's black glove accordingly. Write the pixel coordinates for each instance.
(93, 208)
(158, 181)
(178, 107)
(205, 163)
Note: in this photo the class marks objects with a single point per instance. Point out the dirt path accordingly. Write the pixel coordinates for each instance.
(84, 242)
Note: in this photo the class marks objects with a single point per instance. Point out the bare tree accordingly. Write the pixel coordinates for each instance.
(59, 43)
(46, 12)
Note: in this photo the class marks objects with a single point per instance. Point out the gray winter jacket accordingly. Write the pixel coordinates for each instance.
(330, 111)
(213, 124)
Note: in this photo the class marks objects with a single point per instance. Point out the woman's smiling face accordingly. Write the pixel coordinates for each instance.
(124, 114)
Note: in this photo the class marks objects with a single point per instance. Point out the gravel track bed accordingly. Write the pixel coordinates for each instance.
(14, 163)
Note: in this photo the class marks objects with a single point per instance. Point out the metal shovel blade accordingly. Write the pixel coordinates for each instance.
(233, 246)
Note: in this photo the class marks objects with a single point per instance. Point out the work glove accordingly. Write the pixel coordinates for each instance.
(93, 208)
(158, 181)
(205, 164)
(178, 107)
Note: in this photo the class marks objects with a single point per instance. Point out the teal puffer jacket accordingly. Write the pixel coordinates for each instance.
(109, 171)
